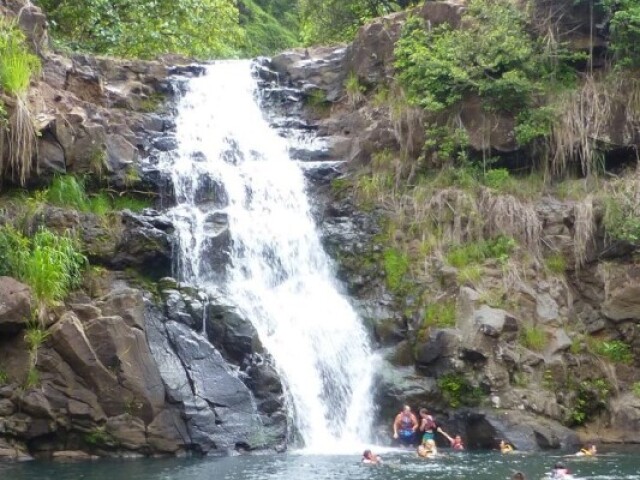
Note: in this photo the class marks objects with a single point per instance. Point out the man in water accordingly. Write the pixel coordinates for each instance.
(405, 426)
(560, 472)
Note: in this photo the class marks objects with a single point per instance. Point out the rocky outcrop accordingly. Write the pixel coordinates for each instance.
(15, 305)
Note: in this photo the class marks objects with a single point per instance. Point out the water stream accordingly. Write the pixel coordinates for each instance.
(274, 270)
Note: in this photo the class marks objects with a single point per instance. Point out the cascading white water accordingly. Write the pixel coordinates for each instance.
(278, 276)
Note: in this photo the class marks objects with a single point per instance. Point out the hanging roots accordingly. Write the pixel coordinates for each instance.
(583, 230)
(21, 141)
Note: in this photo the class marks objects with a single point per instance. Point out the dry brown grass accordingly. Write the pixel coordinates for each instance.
(589, 115)
(507, 215)
(21, 142)
(584, 229)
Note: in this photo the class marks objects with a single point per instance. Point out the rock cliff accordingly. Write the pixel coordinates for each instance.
(508, 347)
(131, 363)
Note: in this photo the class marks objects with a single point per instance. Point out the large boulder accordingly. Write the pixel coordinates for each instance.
(15, 305)
(622, 292)
(524, 431)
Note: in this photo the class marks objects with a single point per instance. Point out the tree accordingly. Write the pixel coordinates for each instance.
(145, 28)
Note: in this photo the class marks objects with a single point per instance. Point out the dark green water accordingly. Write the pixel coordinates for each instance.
(398, 466)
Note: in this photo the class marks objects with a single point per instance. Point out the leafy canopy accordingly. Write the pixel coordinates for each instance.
(144, 28)
(492, 56)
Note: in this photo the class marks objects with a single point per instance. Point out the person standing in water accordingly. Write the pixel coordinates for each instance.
(429, 427)
(405, 426)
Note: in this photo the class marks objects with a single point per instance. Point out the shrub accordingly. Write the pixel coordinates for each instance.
(625, 32)
(441, 314)
(497, 178)
(355, 90)
(139, 28)
(457, 391)
(49, 263)
(534, 338)
(68, 191)
(470, 274)
(615, 350)
(591, 398)
(556, 263)
(476, 252)
(396, 266)
(17, 66)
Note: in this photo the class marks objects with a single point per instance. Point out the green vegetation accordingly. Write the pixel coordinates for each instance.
(622, 210)
(533, 338)
(625, 31)
(396, 266)
(494, 57)
(4, 377)
(591, 398)
(635, 389)
(98, 437)
(70, 191)
(615, 350)
(50, 263)
(556, 263)
(17, 67)
(471, 274)
(270, 25)
(139, 28)
(477, 252)
(457, 391)
(331, 21)
(438, 315)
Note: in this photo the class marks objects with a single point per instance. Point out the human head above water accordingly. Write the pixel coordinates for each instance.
(367, 454)
(518, 476)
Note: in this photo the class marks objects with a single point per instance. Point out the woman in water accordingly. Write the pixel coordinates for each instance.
(505, 447)
(429, 427)
(456, 442)
(370, 458)
(427, 449)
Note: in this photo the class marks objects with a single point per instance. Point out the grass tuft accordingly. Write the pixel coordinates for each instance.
(534, 338)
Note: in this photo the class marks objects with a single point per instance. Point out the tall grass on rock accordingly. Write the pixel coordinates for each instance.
(50, 263)
(17, 67)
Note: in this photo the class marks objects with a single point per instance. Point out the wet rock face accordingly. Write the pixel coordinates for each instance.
(215, 368)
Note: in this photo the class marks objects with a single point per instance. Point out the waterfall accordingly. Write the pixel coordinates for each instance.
(274, 269)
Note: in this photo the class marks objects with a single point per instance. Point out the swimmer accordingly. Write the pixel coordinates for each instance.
(370, 458)
(518, 476)
(587, 452)
(456, 442)
(427, 449)
(560, 472)
(505, 447)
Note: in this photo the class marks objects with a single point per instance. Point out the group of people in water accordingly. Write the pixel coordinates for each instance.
(409, 430)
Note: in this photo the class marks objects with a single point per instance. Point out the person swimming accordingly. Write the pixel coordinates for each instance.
(370, 458)
(505, 447)
(587, 452)
(560, 472)
(456, 443)
(404, 426)
(427, 449)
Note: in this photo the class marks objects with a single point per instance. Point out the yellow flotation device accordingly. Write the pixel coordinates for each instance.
(586, 452)
(506, 449)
